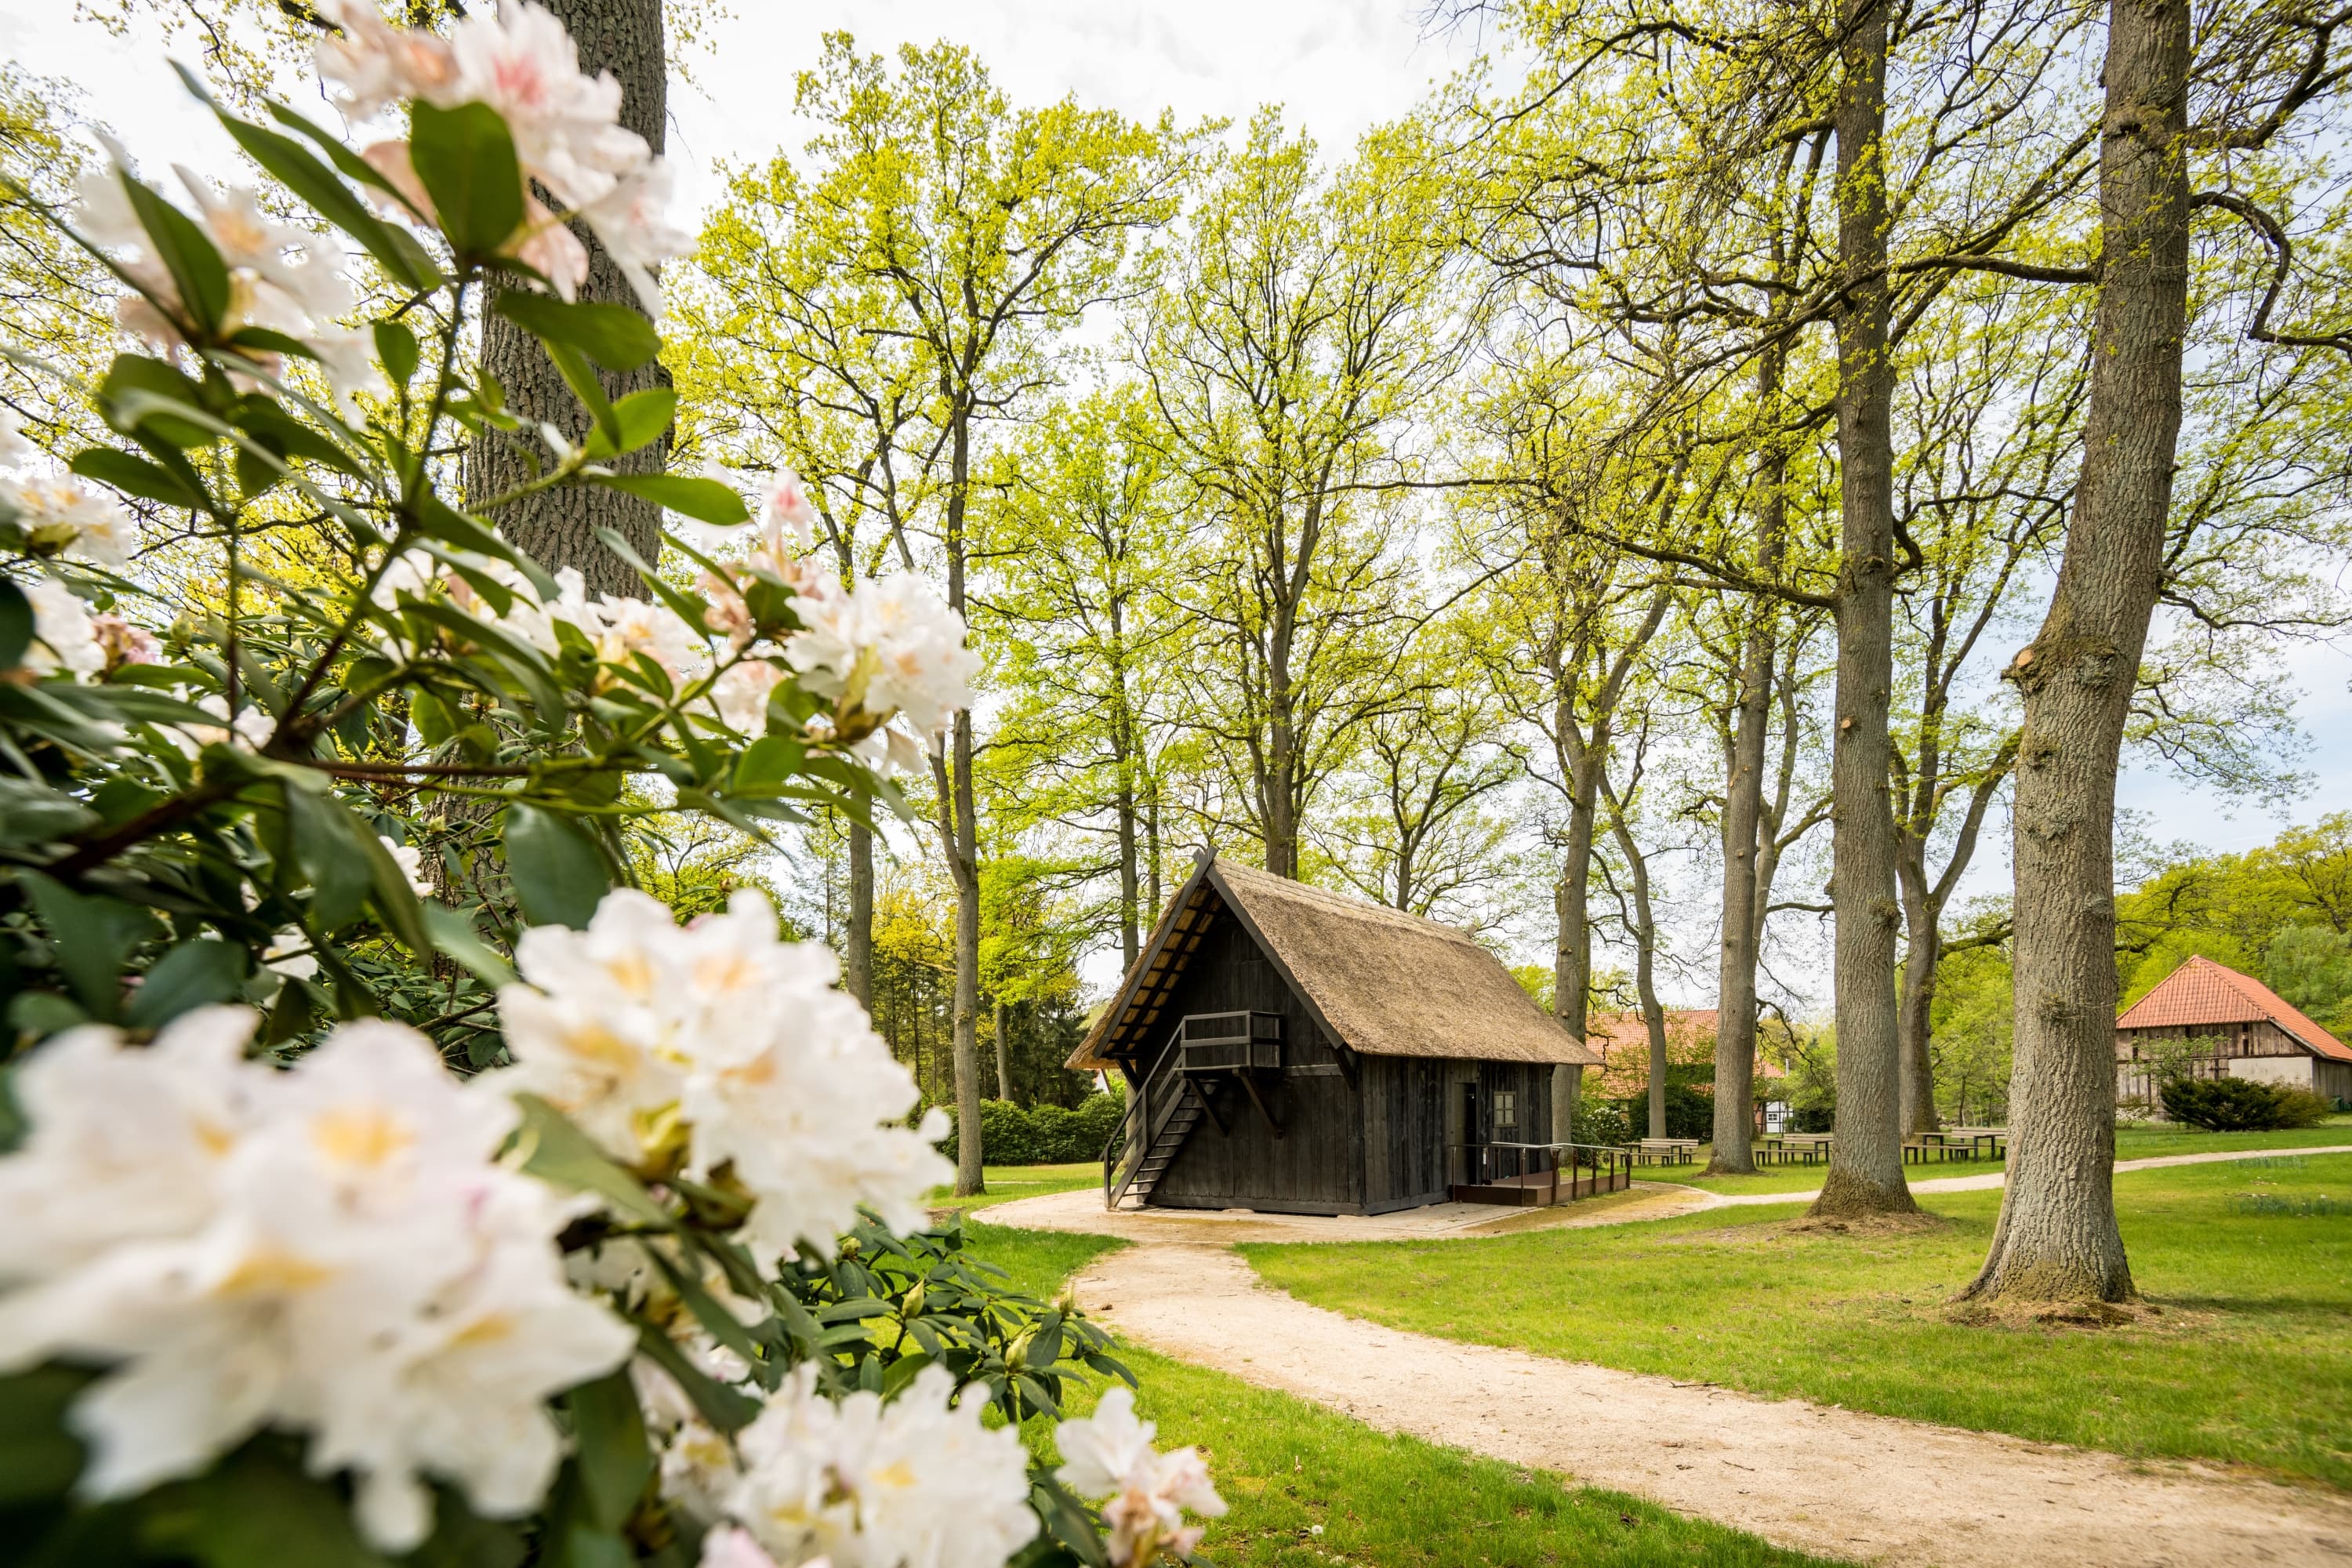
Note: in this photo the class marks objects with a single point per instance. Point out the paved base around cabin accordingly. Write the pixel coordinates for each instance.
(1823, 1479)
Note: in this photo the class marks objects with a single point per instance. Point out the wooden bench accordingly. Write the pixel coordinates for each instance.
(1665, 1151)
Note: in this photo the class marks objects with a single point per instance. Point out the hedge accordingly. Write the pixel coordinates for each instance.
(2240, 1104)
(1043, 1134)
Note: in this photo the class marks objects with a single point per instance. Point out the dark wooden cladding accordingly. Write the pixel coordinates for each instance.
(1357, 1134)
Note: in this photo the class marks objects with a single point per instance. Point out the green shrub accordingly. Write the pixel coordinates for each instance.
(1599, 1121)
(2240, 1104)
(1043, 1134)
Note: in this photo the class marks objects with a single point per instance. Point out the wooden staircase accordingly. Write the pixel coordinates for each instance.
(1167, 1106)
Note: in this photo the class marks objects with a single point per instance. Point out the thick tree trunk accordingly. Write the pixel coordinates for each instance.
(558, 527)
(1865, 1173)
(959, 827)
(1004, 1056)
(1645, 947)
(1922, 952)
(2056, 1238)
(858, 950)
(1571, 982)
(1742, 940)
(1131, 939)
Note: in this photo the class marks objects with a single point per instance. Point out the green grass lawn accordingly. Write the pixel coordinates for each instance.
(1006, 1183)
(2249, 1360)
(2142, 1142)
(1309, 1487)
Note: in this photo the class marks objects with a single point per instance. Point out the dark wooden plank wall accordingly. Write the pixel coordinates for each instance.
(1317, 1165)
(1413, 1110)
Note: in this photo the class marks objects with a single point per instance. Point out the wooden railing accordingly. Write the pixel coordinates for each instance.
(1149, 1104)
(1231, 1042)
(1553, 1170)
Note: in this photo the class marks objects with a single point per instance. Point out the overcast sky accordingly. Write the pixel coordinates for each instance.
(1337, 66)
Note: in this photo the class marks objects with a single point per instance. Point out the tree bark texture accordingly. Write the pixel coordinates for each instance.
(1645, 948)
(960, 828)
(1742, 933)
(1865, 1173)
(2056, 1238)
(857, 951)
(1003, 1057)
(557, 528)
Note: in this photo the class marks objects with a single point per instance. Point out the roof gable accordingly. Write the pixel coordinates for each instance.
(1379, 982)
(2201, 992)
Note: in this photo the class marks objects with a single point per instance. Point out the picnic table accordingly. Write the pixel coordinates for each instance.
(1792, 1147)
(1956, 1144)
(1665, 1151)
(1992, 1140)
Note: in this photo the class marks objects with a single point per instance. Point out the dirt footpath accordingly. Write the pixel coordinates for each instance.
(1826, 1480)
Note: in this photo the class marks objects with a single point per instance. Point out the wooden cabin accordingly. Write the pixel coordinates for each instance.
(1299, 1051)
(2251, 1030)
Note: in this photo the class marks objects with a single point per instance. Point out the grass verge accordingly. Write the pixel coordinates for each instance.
(2247, 1362)
(1006, 1183)
(1308, 1488)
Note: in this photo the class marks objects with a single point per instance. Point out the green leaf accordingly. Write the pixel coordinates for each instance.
(191, 975)
(454, 933)
(326, 846)
(466, 160)
(259, 1511)
(705, 500)
(32, 813)
(93, 935)
(608, 1431)
(614, 336)
(560, 1155)
(395, 346)
(129, 397)
(727, 1409)
(301, 172)
(134, 475)
(40, 1014)
(580, 377)
(642, 416)
(434, 722)
(768, 761)
(187, 253)
(38, 1457)
(560, 875)
(16, 624)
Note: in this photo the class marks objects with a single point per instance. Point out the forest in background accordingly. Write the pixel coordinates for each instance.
(1462, 517)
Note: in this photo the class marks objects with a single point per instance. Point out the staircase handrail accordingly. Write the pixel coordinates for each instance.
(1114, 1185)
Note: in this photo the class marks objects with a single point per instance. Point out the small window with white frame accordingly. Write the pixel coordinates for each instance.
(1507, 1111)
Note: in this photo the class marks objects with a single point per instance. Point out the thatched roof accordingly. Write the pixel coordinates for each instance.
(1379, 982)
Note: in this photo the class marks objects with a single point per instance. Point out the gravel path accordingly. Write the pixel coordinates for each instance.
(1820, 1478)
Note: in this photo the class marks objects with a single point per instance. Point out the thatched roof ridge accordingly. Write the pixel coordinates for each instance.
(1382, 982)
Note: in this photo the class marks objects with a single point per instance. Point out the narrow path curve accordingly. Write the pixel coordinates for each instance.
(1825, 1480)
(1820, 1479)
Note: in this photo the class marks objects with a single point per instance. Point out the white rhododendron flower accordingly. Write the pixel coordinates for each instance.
(785, 513)
(567, 137)
(281, 279)
(64, 638)
(14, 449)
(740, 694)
(60, 512)
(717, 1045)
(411, 861)
(918, 1482)
(1109, 1455)
(331, 1251)
(728, 1547)
(889, 646)
(251, 729)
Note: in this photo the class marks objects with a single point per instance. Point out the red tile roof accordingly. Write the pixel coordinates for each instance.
(2202, 992)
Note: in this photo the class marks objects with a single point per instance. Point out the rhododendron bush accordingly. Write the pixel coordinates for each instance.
(383, 1179)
